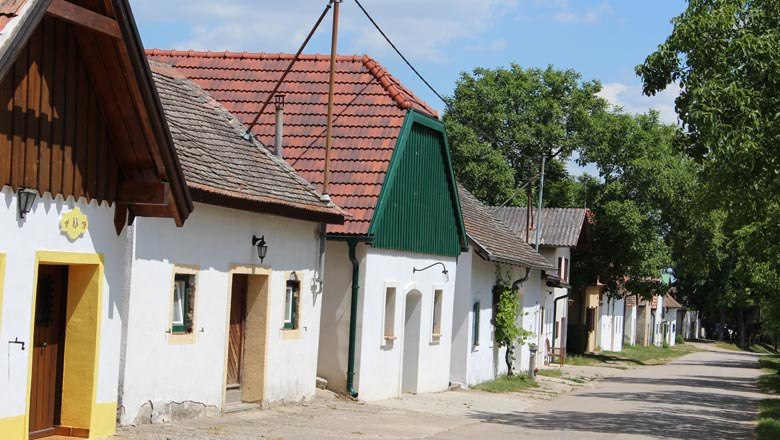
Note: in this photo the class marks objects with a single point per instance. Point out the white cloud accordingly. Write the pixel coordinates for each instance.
(631, 99)
(494, 46)
(281, 26)
(564, 12)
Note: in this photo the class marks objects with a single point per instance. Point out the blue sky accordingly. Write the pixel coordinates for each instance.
(602, 39)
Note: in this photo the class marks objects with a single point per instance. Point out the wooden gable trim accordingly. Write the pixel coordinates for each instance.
(119, 73)
(84, 17)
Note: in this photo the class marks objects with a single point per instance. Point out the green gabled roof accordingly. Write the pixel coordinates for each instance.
(418, 209)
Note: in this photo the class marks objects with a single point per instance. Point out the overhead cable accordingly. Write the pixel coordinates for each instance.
(398, 51)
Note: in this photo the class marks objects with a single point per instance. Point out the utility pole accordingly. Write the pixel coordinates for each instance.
(539, 211)
(331, 87)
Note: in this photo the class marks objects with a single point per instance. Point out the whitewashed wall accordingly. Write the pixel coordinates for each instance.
(214, 238)
(336, 303)
(673, 326)
(40, 231)
(611, 321)
(471, 364)
(531, 299)
(379, 365)
(658, 317)
(629, 324)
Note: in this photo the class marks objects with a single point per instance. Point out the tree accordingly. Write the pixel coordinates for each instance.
(502, 121)
(725, 57)
(643, 179)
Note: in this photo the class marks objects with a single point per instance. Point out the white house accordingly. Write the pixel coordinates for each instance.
(223, 313)
(76, 159)
(563, 232)
(671, 322)
(493, 248)
(391, 268)
(611, 322)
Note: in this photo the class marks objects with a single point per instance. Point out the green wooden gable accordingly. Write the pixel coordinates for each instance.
(418, 209)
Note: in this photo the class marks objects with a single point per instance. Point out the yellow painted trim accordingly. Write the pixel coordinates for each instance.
(2, 286)
(86, 276)
(251, 270)
(13, 428)
(103, 420)
(188, 338)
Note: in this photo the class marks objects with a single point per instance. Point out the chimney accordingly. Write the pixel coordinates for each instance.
(279, 139)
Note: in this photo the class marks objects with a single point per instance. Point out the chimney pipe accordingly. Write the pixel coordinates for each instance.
(279, 138)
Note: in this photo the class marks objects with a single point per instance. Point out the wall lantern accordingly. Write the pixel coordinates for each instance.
(444, 271)
(293, 276)
(26, 200)
(262, 248)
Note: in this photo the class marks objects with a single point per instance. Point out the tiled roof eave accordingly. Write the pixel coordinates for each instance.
(484, 253)
(331, 215)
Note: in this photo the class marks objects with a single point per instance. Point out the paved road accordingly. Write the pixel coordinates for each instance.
(706, 395)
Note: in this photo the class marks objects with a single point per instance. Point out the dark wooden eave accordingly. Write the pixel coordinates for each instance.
(116, 64)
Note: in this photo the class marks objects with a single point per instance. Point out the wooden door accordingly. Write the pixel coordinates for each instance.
(47, 350)
(237, 330)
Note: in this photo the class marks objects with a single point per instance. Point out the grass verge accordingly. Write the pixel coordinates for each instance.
(755, 348)
(550, 373)
(506, 384)
(769, 409)
(636, 355)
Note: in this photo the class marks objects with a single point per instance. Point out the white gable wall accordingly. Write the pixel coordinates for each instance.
(214, 239)
(611, 321)
(379, 364)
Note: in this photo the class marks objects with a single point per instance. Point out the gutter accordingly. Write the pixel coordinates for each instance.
(353, 318)
(555, 313)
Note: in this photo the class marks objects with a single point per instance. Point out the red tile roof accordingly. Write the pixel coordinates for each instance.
(370, 107)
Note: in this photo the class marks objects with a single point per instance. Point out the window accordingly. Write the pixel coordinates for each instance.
(291, 299)
(437, 300)
(389, 316)
(563, 269)
(590, 319)
(475, 324)
(183, 313)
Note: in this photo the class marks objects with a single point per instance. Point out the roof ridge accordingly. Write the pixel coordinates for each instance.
(251, 55)
(398, 93)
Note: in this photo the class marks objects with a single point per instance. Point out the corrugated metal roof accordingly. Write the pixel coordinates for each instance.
(494, 238)
(370, 108)
(418, 209)
(560, 226)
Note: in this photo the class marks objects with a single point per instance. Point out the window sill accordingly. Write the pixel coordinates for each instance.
(182, 338)
(290, 334)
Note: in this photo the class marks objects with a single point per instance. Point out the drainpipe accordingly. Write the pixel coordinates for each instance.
(555, 313)
(279, 135)
(353, 319)
(320, 281)
(517, 283)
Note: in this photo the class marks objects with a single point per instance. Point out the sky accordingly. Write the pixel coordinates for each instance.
(602, 39)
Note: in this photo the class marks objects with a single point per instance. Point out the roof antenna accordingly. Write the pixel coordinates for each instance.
(331, 86)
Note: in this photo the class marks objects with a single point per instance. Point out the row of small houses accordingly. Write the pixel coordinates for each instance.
(157, 265)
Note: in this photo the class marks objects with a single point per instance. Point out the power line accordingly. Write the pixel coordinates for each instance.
(399, 52)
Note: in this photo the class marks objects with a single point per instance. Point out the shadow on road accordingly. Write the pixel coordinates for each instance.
(692, 425)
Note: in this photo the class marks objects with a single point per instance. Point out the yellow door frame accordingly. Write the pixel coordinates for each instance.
(80, 410)
(258, 297)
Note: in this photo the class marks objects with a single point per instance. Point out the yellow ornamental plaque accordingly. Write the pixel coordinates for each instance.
(74, 223)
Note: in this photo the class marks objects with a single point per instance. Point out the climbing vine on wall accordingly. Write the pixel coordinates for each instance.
(506, 311)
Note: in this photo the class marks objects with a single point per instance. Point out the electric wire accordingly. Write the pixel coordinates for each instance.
(249, 128)
(399, 52)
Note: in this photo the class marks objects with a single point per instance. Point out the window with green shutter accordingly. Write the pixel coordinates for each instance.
(183, 303)
(475, 324)
(291, 299)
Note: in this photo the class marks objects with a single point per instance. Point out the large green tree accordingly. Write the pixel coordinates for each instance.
(501, 122)
(725, 57)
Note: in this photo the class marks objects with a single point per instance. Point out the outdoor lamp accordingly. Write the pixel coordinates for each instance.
(293, 276)
(26, 199)
(262, 248)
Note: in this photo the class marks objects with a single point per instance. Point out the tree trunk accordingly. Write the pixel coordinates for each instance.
(509, 358)
(722, 324)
